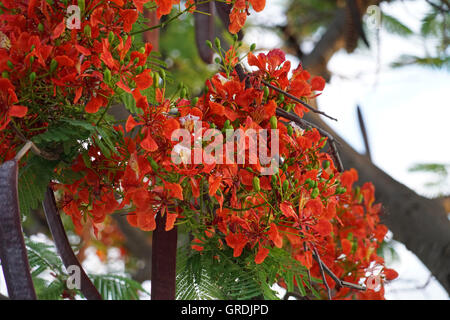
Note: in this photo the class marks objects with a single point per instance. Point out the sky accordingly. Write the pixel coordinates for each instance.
(406, 112)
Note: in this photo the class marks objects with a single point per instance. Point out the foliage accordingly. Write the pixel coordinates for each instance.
(252, 225)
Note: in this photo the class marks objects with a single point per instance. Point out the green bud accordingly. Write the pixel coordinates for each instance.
(32, 58)
(217, 60)
(326, 164)
(139, 69)
(107, 75)
(87, 31)
(156, 80)
(183, 93)
(274, 179)
(314, 193)
(266, 92)
(136, 60)
(256, 184)
(289, 107)
(285, 185)
(253, 47)
(235, 37)
(53, 65)
(5, 74)
(142, 50)
(209, 44)
(290, 131)
(163, 74)
(217, 42)
(111, 37)
(281, 98)
(194, 101)
(273, 122)
(10, 64)
(227, 124)
(41, 27)
(32, 76)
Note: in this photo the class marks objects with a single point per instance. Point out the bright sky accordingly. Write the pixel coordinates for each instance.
(406, 113)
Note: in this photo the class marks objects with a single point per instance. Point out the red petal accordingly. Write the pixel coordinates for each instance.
(288, 211)
(17, 111)
(170, 126)
(94, 104)
(390, 274)
(144, 80)
(131, 123)
(258, 5)
(170, 220)
(217, 108)
(149, 144)
(59, 30)
(317, 83)
(261, 255)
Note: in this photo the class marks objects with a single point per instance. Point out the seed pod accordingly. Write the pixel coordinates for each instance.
(256, 184)
(32, 76)
(314, 193)
(53, 65)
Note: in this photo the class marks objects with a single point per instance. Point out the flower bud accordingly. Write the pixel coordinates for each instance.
(256, 184)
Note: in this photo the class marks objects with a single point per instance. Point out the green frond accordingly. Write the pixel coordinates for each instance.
(117, 287)
(395, 26)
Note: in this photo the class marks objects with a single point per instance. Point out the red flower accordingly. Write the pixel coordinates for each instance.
(7, 100)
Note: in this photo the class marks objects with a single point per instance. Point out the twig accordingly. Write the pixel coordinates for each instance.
(305, 124)
(339, 283)
(324, 279)
(290, 96)
(362, 127)
(30, 145)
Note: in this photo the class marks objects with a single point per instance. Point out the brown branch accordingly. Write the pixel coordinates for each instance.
(292, 97)
(30, 145)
